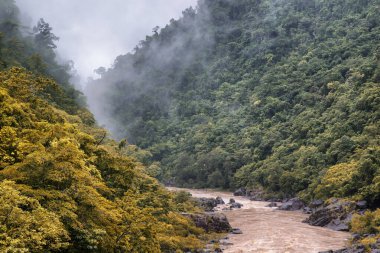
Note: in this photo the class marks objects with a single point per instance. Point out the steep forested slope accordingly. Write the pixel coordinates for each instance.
(64, 186)
(277, 95)
(33, 48)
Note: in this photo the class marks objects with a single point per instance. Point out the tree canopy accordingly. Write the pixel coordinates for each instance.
(276, 95)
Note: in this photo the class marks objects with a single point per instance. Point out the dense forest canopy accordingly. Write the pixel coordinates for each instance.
(278, 96)
(281, 96)
(64, 185)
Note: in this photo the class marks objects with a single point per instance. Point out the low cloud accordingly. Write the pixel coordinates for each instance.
(92, 33)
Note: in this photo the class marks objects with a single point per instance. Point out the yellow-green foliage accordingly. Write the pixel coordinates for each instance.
(63, 186)
(335, 180)
(368, 223)
(25, 225)
(357, 179)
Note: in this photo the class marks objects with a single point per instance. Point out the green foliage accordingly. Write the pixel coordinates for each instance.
(368, 223)
(26, 226)
(33, 49)
(276, 95)
(65, 187)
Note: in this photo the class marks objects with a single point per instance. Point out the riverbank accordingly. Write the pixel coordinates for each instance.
(269, 230)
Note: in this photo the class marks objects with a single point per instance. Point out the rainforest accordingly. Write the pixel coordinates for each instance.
(274, 100)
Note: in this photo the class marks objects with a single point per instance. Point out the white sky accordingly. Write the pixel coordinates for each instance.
(93, 32)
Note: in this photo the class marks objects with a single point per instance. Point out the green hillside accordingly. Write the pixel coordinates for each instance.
(64, 185)
(276, 95)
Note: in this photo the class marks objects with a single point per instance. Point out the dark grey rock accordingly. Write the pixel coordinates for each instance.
(316, 203)
(207, 204)
(240, 192)
(307, 210)
(219, 201)
(336, 215)
(236, 205)
(257, 195)
(236, 231)
(256, 198)
(210, 222)
(338, 225)
(346, 250)
(361, 204)
(292, 205)
(272, 204)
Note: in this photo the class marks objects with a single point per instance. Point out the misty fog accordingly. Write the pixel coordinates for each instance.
(93, 33)
(147, 77)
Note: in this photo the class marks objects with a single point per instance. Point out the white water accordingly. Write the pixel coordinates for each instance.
(269, 230)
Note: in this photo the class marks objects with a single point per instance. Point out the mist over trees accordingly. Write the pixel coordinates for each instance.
(277, 96)
(64, 185)
(274, 95)
(32, 48)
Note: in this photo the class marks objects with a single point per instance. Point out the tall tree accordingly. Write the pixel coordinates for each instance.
(44, 37)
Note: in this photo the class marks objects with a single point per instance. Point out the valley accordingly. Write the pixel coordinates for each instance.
(267, 230)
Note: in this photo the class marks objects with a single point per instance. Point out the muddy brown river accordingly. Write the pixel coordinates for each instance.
(269, 230)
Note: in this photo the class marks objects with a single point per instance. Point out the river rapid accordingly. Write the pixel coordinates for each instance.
(269, 230)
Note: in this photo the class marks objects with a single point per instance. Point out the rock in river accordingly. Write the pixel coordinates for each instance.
(236, 205)
(292, 205)
(219, 201)
(236, 231)
(210, 222)
(335, 215)
(207, 204)
(240, 192)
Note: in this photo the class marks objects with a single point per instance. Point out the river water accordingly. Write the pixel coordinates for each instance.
(269, 230)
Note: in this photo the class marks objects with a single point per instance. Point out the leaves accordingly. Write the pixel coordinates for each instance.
(257, 94)
(62, 189)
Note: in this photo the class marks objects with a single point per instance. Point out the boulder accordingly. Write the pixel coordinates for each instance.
(236, 231)
(207, 204)
(339, 225)
(361, 204)
(336, 215)
(316, 203)
(240, 192)
(256, 198)
(210, 222)
(353, 249)
(255, 195)
(232, 201)
(292, 205)
(307, 210)
(219, 201)
(236, 205)
(272, 204)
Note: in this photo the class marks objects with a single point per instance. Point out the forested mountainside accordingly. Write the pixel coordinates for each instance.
(64, 186)
(33, 48)
(276, 95)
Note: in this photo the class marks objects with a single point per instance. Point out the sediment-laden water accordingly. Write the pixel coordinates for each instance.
(269, 230)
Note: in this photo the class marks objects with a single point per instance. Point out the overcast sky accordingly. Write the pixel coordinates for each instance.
(93, 32)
